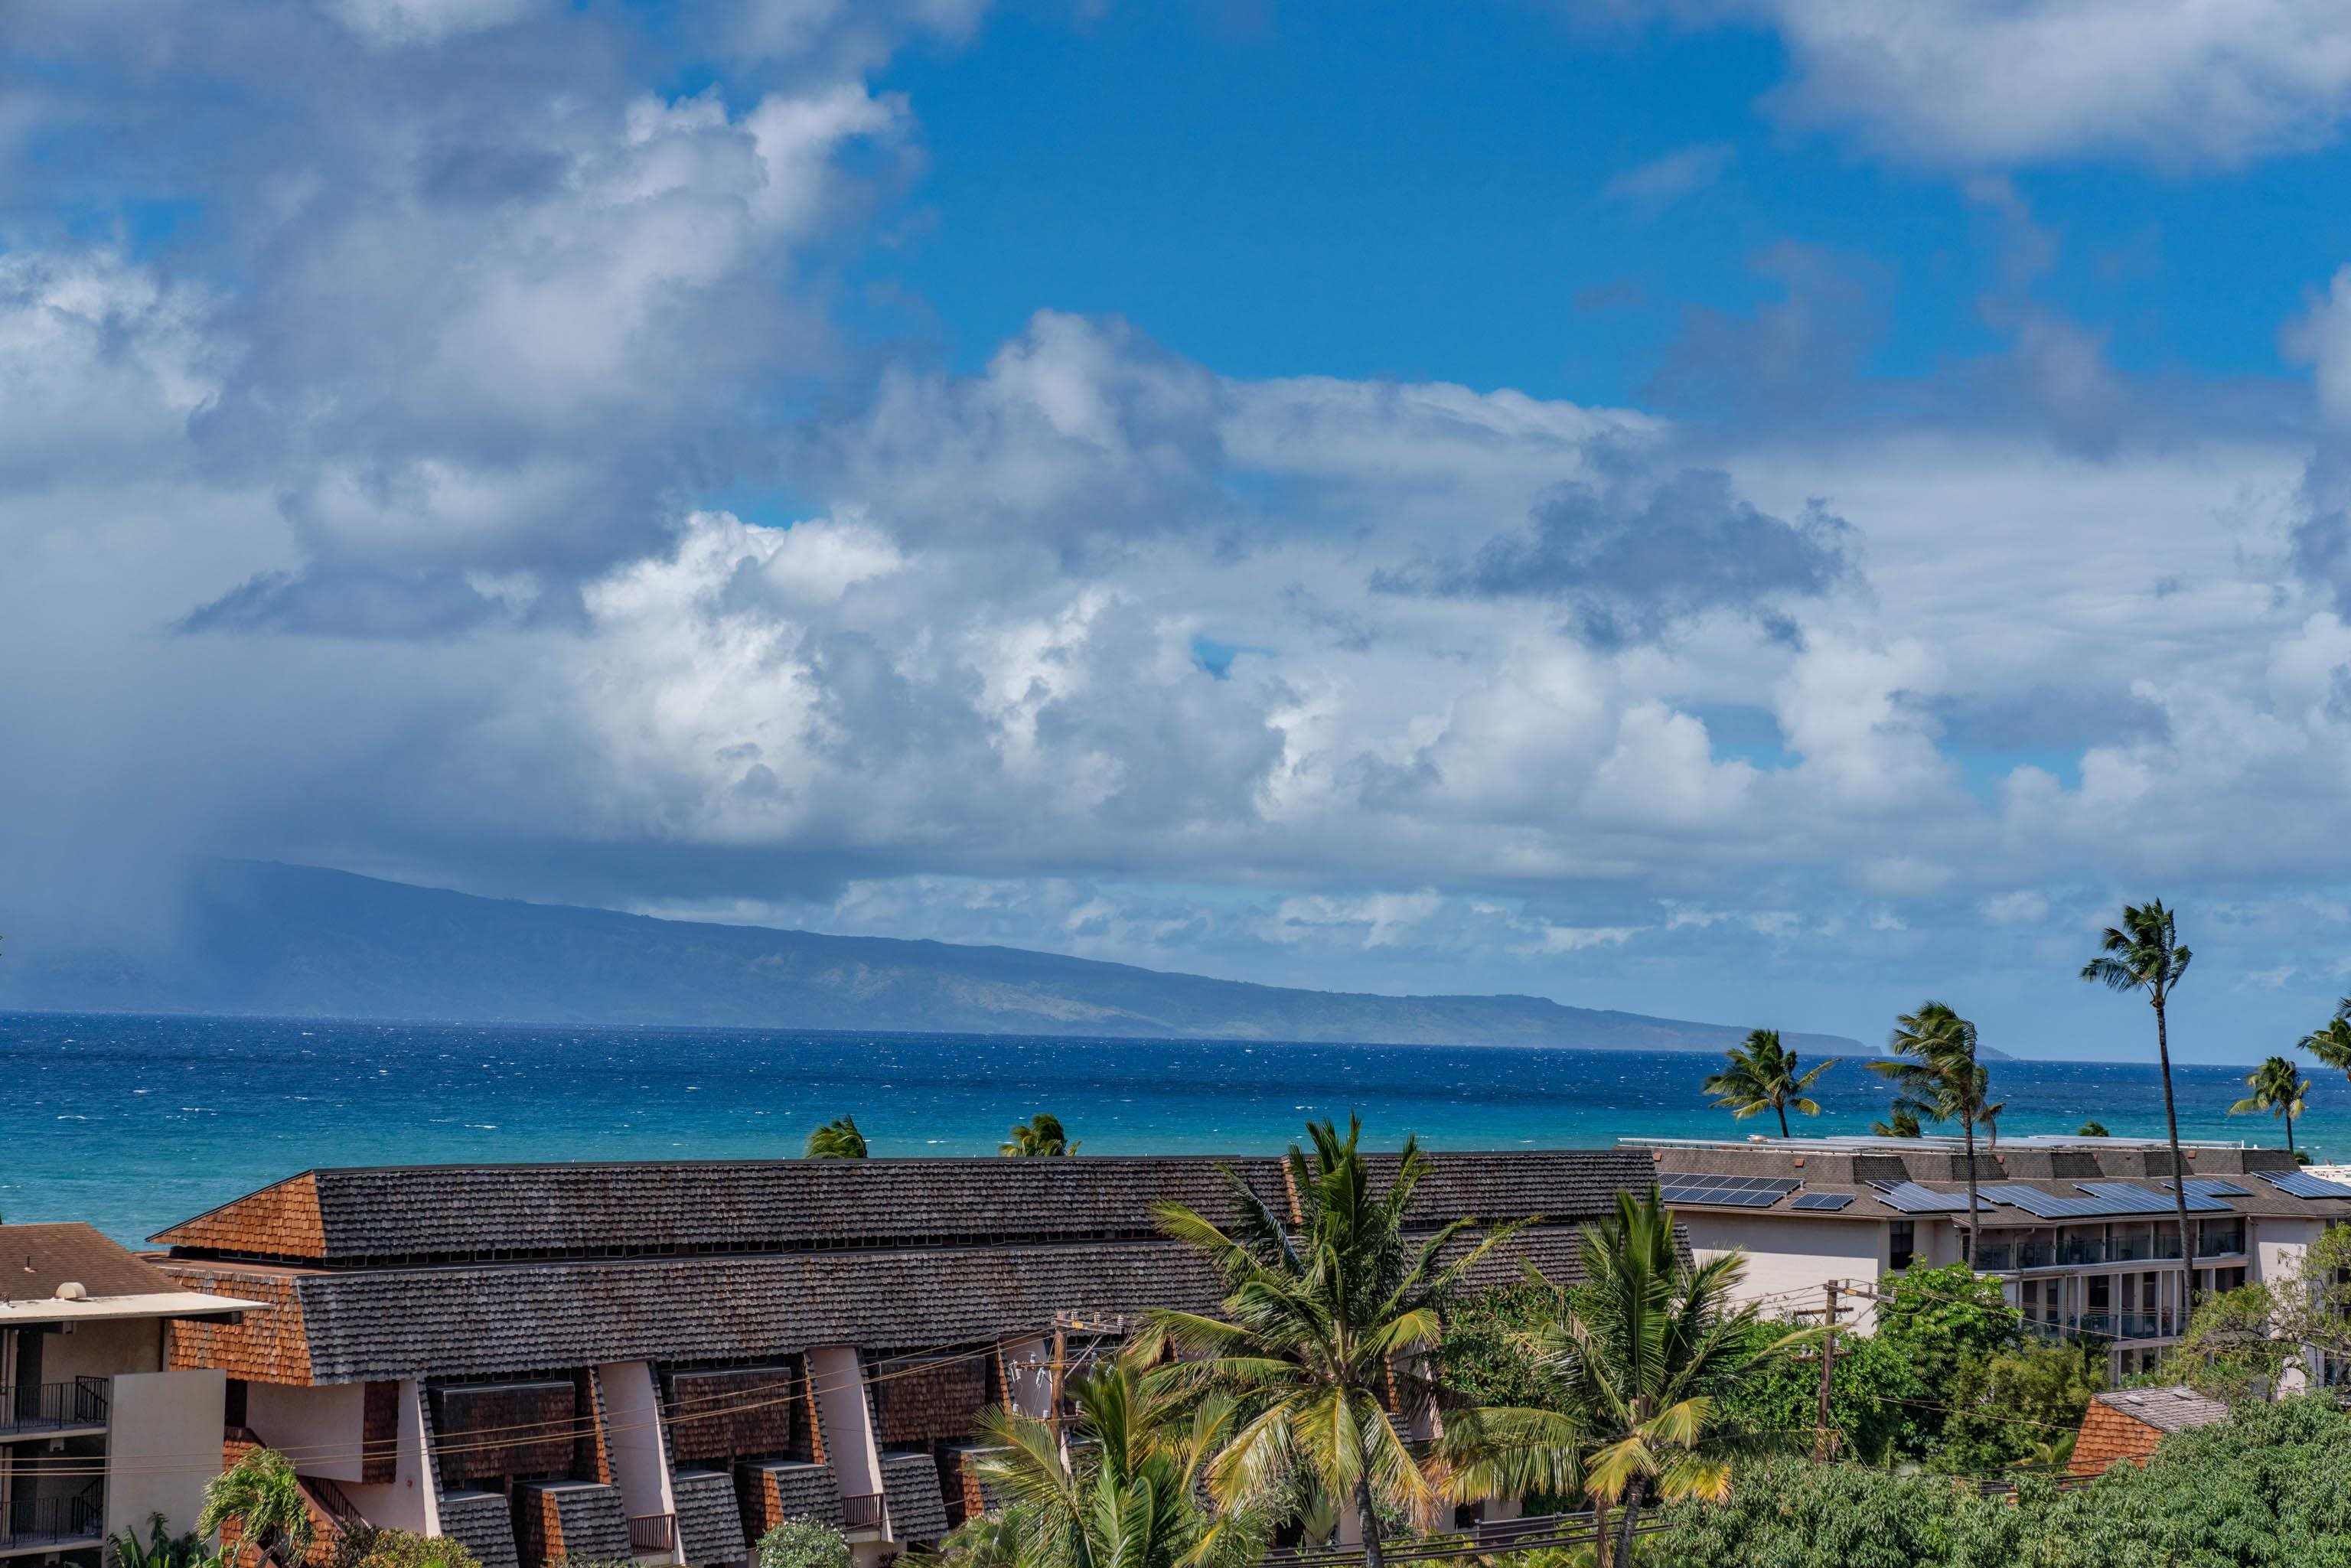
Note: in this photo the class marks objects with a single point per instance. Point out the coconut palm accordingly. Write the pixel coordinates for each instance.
(1642, 1349)
(1126, 1493)
(2279, 1088)
(1904, 1124)
(1990, 1114)
(1761, 1076)
(2331, 1043)
(261, 1494)
(1315, 1320)
(1041, 1135)
(838, 1139)
(2094, 1130)
(162, 1548)
(2144, 954)
(1935, 1066)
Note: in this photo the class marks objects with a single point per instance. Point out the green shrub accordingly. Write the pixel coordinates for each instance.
(801, 1543)
(368, 1546)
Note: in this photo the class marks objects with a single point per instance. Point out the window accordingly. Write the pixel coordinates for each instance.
(1901, 1243)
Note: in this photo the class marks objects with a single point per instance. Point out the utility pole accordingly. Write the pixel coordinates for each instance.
(1823, 1438)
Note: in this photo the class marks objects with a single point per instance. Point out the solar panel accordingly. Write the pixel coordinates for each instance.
(2055, 1205)
(1911, 1199)
(2099, 1200)
(2301, 1184)
(1827, 1200)
(2140, 1199)
(2212, 1187)
(1731, 1191)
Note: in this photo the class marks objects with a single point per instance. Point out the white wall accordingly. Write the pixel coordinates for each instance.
(2278, 1244)
(640, 1463)
(406, 1502)
(320, 1428)
(1789, 1260)
(163, 1445)
(840, 1381)
(101, 1347)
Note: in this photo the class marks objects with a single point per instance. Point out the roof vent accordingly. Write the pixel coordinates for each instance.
(72, 1291)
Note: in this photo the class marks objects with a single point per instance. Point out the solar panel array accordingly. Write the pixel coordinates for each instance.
(1823, 1200)
(1911, 1199)
(2301, 1184)
(1735, 1192)
(2147, 1200)
(2100, 1200)
(2212, 1187)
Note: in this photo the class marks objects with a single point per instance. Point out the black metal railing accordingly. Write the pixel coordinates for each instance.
(652, 1531)
(51, 1520)
(48, 1406)
(864, 1512)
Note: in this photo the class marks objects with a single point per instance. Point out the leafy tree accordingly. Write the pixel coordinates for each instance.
(2279, 1088)
(1878, 1405)
(1943, 1317)
(1903, 1125)
(1934, 1066)
(2094, 1130)
(1039, 1135)
(370, 1546)
(800, 1542)
(1314, 1325)
(1643, 1348)
(838, 1139)
(2144, 954)
(1762, 1076)
(2232, 1349)
(1126, 1494)
(261, 1494)
(2017, 1406)
(162, 1548)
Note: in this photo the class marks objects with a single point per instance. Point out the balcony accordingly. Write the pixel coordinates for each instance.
(49, 1524)
(2219, 1244)
(49, 1408)
(653, 1534)
(861, 1510)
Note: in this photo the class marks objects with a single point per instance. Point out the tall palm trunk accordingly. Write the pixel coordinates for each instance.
(2289, 1132)
(1967, 1125)
(1624, 1526)
(2178, 1165)
(1783, 1109)
(1367, 1520)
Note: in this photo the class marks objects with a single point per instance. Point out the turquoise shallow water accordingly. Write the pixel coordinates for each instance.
(134, 1122)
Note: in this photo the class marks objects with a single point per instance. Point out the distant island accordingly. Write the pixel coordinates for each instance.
(299, 941)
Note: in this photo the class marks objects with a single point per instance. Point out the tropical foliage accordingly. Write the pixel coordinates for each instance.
(1901, 1123)
(2331, 1042)
(2279, 1088)
(368, 1546)
(2269, 1488)
(261, 1495)
(800, 1542)
(1125, 1491)
(1314, 1322)
(1762, 1076)
(838, 1139)
(1933, 1069)
(162, 1548)
(1641, 1351)
(2094, 1130)
(1041, 1135)
(2144, 954)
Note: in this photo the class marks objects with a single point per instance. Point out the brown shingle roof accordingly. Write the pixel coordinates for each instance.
(35, 1260)
(389, 1215)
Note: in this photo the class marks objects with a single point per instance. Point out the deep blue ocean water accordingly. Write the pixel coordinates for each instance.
(134, 1122)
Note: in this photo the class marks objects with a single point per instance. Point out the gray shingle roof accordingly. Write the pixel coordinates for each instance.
(918, 1512)
(709, 1522)
(2175, 1409)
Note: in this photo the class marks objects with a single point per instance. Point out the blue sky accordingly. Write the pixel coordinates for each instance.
(1764, 510)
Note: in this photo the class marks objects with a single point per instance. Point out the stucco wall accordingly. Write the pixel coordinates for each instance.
(839, 1379)
(321, 1425)
(101, 1349)
(1789, 1260)
(406, 1503)
(163, 1446)
(640, 1468)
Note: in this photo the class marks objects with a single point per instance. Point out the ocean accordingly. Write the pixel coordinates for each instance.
(134, 1122)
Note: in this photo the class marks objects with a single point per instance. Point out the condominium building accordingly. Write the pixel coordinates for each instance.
(2082, 1232)
(661, 1361)
(95, 1432)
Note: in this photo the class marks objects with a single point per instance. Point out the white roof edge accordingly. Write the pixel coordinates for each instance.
(159, 1305)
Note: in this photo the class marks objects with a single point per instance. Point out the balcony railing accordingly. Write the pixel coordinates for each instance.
(651, 1534)
(51, 1406)
(2223, 1244)
(52, 1520)
(864, 1512)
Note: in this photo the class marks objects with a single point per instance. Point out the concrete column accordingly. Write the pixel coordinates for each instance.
(640, 1459)
(838, 1375)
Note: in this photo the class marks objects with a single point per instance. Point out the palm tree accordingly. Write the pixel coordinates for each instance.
(1314, 1322)
(1904, 1124)
(1989, 1112)
(2094, 1130)
(2279, 1088)
(2332, 1043)
(1126, 1494)
(838, 1139)
(162, 1548)
(1761, 1077)
(1041, 1135)
(1643, 1349)
(261, 1494)
(1935, 1064)
(2144, 954)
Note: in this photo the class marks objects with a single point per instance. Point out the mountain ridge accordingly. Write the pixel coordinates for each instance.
(304, 942)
